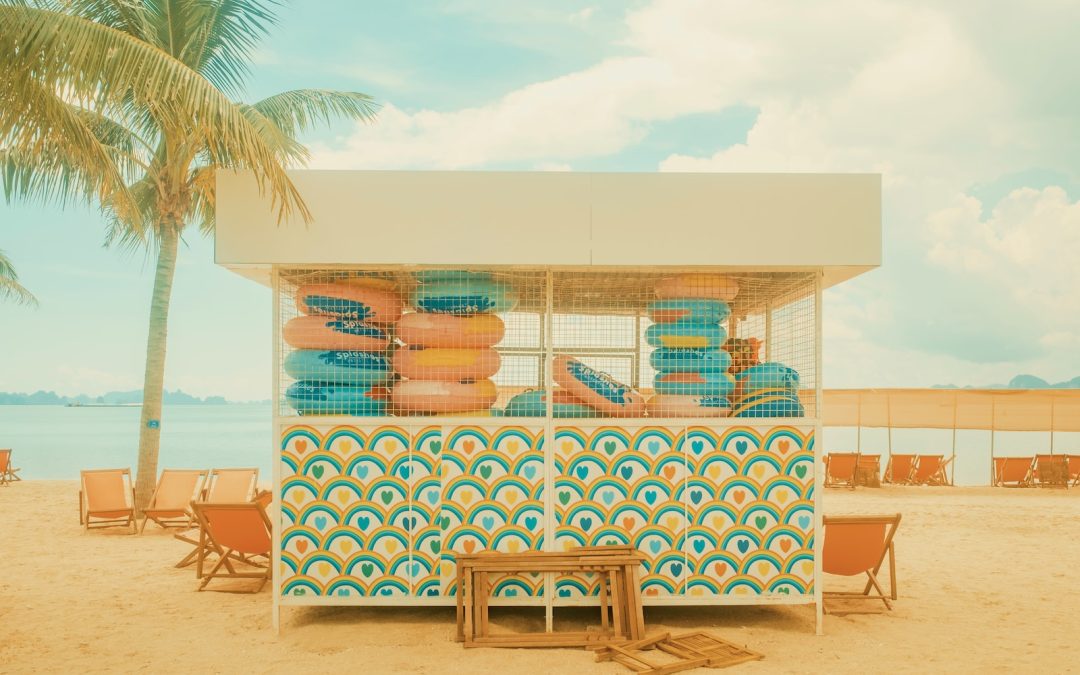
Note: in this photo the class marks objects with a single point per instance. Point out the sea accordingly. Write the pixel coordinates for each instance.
(56, 442)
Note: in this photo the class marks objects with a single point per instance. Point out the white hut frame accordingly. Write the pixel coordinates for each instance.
(811, 229)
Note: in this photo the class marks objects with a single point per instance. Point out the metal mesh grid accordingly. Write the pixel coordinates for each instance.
(397, 341)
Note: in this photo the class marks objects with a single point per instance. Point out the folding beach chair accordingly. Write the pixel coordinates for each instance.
(931, 470)
(170, 505)
(1074, 469)
(856, 545)
(7, 470)
(840, 469)
(868, 471)
(1013, 471)
(235, 531)
(1051, 471)
(223, 486)
(107, 499)
(900, 469)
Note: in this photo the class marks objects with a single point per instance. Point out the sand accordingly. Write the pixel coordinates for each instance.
(987, 582)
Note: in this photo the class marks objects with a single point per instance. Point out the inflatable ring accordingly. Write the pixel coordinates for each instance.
(768, 375)
(370, 280)
(338, 366)
(694, 384)
(328, 332)
(447, 330)
(674, 405)
(437, 276)
(464, 297)
(596, 389)
(685, 335)
(689, 310)
(533, 403)
(428, 396)
(690, 360)
(349, 302)
(450, 365)
(770, 403)
(314, 398)
(714, 286)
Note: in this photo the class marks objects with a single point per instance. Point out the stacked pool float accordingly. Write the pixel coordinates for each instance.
(692, 378)
(768, 390)
(448, 357)
(340, 358)
(582, 392)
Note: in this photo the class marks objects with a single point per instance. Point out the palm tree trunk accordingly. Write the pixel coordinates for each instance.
(154, 378)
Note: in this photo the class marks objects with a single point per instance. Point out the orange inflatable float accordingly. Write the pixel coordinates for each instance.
(597, 389)
(363, 303)
(429, 396)
(714, 286)
(447, 365)
(330, 332)
(448, 330)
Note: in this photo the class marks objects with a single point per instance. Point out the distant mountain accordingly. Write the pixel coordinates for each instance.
(1022, 381)
(133, 397)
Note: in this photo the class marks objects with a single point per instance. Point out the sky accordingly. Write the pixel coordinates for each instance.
(969, 110)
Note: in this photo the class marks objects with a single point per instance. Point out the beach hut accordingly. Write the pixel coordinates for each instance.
(512, 361)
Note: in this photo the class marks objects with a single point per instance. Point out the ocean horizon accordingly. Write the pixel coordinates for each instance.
(56, 442)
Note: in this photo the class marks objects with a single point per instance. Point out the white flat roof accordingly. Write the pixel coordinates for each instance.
(593, 220)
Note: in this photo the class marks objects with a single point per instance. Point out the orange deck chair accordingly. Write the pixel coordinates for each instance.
(840, 469)
(1013, 471)
(7, 470)
(235, 531)
(931, 470)
(868, 473)
(223, 486)
(900, 469)
(1051, 471)
(170, 505)
(856, 545)
(107, 499)
(1074, 469)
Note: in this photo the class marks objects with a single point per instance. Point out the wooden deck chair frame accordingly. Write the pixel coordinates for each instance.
(890, 470)
(167, 515)
(868, 470)
(110, 517)
(1051, 471)
(196, 538)
(1001, 466)
(8, 472)
(938, 478)
(891, 522)
(835, 481)
(227, 556)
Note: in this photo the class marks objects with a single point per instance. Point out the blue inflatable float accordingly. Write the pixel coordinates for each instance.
(689, 310)
(464, 297)
(314, 398)
(704, 383)
(665, 360)
(770, 403)
(768, 375)
(685, 335)
(533, 403)
(339, 367)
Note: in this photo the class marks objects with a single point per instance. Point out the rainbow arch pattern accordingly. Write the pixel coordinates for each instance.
(383, 511)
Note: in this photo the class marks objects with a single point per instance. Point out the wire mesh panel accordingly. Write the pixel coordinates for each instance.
(473, 342)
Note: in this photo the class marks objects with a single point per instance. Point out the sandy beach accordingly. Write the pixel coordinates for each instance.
(984, 577)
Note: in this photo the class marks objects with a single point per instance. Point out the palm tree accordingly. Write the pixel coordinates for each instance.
(10, 288)
(134, 103)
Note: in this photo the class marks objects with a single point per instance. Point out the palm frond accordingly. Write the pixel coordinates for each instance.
(10, 288)
(298, 110)
(109, 68)
(225, 32)
(39, 129)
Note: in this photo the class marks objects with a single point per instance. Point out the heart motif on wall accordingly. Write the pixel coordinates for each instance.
(300, 445)
(468, 446)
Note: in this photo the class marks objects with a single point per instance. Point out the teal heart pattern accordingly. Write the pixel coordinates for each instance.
(384, 510)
